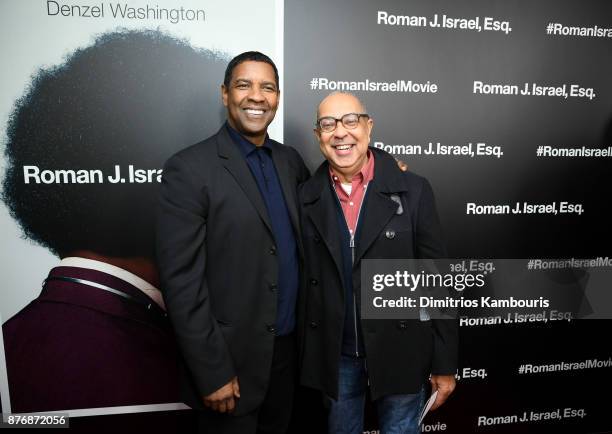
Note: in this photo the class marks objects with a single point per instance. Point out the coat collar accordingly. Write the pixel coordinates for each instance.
(379, 208)
(78, 292)
(387, 177)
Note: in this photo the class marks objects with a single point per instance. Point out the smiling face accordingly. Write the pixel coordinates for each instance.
(345, 149)
(251, 99)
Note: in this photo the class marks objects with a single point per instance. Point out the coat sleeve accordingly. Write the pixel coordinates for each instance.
(181, 254)
(429, 245)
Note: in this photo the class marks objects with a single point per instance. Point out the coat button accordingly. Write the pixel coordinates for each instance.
(314, 282)
(317, 239)
(390, 234)
(273, 287)
(402, 325)
(313, 324)
(271, 329)
(273, 250)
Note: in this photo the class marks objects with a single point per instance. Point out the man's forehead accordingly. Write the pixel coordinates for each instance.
(339, 104)
(254, 71)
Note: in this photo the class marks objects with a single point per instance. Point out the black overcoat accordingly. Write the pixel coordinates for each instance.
(400, 354)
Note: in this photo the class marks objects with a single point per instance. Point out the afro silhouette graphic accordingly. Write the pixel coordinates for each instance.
(132, 98)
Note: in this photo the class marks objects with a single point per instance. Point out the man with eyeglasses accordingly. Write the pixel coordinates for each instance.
(360, 205)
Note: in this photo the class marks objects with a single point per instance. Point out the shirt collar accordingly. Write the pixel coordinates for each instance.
(150, 290)
(245, 146)
(365, 175)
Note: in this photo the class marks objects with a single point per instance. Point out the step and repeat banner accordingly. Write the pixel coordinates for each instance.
(506, 107)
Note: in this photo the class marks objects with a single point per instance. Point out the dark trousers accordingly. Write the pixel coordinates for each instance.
(274, 413)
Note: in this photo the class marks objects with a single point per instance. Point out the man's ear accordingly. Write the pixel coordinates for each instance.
(224, 94)
(370, 125)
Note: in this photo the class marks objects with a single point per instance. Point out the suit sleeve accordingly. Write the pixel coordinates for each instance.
(181, 253)
(431, 246)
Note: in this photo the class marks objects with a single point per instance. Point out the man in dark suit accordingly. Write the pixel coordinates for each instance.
(228, 255)
(359, 205)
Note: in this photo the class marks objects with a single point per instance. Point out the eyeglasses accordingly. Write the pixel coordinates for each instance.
(349, 121)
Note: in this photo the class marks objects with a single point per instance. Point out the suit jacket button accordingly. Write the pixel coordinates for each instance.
(390, 234)
(313, 324)
(273, 250)
(273, 287)
(314, 282)
(317, 239)
(271, 329)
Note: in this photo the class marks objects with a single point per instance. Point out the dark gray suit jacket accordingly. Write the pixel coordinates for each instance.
(219, 267)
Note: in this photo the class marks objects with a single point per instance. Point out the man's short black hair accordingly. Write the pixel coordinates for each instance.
(254, 56)
(132, 98)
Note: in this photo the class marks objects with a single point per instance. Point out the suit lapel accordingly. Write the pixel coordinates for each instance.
(323, 215)
(378, 210)
(238, 168)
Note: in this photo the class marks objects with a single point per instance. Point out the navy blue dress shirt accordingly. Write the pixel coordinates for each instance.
(259, 159)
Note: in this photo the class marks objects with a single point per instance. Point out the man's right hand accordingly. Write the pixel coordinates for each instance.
(222, 400)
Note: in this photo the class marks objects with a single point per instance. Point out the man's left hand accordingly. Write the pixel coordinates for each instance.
(444, 384)
(403, 166)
